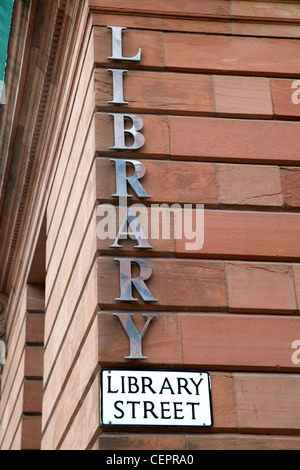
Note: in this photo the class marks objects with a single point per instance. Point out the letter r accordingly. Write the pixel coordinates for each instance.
(126, 281)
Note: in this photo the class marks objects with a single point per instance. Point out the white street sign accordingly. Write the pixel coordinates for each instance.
(155, 398)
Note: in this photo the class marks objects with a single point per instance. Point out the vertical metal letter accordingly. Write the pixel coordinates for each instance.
(117, 53)
(120, 132)
(118, 95)
(126, 281)
(122, 179)
(131, 220)
(135, 338)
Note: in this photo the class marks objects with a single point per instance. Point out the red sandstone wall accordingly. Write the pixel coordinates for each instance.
(220, 129)
(214, 89)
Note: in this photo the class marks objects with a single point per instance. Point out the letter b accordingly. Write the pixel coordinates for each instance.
(120, 132)
(132, 385)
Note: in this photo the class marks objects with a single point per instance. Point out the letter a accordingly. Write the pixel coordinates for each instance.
(137, 231)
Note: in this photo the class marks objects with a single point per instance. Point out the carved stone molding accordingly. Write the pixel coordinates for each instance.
(18, 168)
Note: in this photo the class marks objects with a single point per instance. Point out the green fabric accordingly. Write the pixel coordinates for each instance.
(6, 8)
